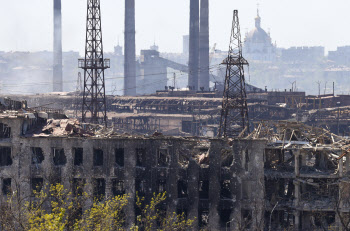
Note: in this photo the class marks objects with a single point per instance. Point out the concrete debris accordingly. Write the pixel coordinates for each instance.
(65, 127)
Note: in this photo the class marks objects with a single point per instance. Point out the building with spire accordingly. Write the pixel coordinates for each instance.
(258, 45)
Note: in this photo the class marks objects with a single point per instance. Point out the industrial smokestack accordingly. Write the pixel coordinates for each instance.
(204, 46)
(130, 50)
(193, 62)
(57, 47)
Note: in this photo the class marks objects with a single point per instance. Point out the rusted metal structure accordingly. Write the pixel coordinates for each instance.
(234, 115)
(94, 97)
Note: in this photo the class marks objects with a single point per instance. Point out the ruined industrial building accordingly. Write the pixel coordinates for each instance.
(229, 153)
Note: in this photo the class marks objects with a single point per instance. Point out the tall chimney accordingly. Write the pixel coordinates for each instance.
(204, 46)
(130, 50)
(57, 47)
(193, 62)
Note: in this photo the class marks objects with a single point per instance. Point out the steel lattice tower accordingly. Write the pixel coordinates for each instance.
(234, 113)
(94, 97)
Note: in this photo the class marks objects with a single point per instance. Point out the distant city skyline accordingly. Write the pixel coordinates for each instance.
(27, 25)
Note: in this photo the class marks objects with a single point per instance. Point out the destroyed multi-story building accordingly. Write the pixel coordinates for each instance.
(284, 175)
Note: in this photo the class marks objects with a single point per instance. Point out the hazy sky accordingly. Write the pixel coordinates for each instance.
(27, 24)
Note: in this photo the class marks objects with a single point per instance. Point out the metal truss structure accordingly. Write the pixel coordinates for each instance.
(94, 97)
(234, 120)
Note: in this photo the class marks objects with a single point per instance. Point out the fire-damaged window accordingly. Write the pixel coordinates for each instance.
(37, 184)
(98, 157)
(225, 218)
(6, 186)
(163, 157)
(226, 158)
(203, 218)
(140, 157)
(203, 189)
(118, 187)
(182, 211)
(161, 211)
(78, 186)
(5, 131)
(140, 187)
(119, 157)
(225, 191)
(182, 190)
(161, 186)
(246, 218)
(5, 156)
(59, 158)
(78, 156)
(37, 155)
(99, 188)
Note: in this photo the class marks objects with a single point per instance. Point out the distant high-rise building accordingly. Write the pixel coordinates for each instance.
(258, 45)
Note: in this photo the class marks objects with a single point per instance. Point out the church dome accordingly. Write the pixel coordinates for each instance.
(257, 35)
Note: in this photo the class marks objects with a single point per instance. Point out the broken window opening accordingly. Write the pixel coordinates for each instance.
(118, 187)
(161, 186)
(225, 215)
(225, 192)
(5, 156)
(246, 218)
(319, 190)
(37, 155)
(187, 126)
(78, 186)
(78, 156)
(203, 218)
(161, 216)
(163, 158)
(59, 158)
(119, 157)
(5, 131)
(6, 186)
(37, 184)
(281, 160)
(140, 187)
(140, 157)
(182, 212)
(99, 189)
(182, 189)
(98, 157)
(204, 189)
(226, 158)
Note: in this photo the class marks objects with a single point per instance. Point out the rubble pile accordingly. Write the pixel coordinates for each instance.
(65, 127)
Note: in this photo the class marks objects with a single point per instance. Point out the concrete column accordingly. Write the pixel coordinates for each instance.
(57, 47)
(296, 193)
(296, 163)
(214, 183)
(204, 46)
(193, 193)
(130, 49)
(109, 193)
(172, 179)
(296, 220)
(130, 174)
(193, 62)
(347, 163)
(340, 167)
